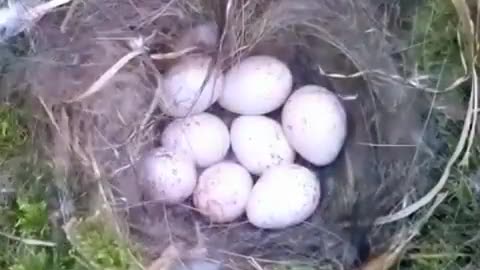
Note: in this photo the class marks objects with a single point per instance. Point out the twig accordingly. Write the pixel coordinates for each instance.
(68, 16)
(100, 82)
(29, 241)
(49, 114)
(46, 7)
(410, 82)
(437, 256)
(472, 109)
(284, 262)
(172, 55)
(255, 264)
(385, 145)
(468, 31)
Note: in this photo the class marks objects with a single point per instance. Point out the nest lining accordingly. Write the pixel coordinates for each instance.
(96, 136)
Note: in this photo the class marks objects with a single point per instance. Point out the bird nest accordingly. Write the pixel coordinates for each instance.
(95, 72)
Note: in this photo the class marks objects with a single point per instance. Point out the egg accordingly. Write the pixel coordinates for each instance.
(284, 196)
(183, 94)
(256, 85)
(315, 124)
(222, 192)
(203, 137)
(258, 143)
(168, 176)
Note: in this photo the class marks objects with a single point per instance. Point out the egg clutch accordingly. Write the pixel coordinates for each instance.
(246, 166)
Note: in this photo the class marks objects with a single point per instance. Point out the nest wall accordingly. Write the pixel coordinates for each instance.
(96, 136)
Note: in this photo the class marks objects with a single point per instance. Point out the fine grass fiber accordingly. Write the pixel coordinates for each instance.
(89, 127)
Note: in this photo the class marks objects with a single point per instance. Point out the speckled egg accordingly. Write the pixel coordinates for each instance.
(284, 196)
(315, 124)
(189, 88)
(204, 137)
(259, 143)
(168, 176)
(223, 191)
(256, 85)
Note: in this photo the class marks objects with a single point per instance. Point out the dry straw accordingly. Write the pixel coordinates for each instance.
(95, 75)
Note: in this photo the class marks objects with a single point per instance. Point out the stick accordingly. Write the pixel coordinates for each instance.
(100, 82)
(28, 241)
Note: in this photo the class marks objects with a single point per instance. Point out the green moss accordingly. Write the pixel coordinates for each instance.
(26, 218)
(29, 217)
(99, 248)
(13, 134)
(28, 205)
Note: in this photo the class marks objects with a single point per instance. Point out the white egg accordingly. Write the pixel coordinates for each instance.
(315, 124)
(203, 137)
(259, 143)
(257, 85)
(284, 196)
(222, 192)
(168, 176)
(183, 94)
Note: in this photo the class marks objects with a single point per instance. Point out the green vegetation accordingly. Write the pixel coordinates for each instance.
(435, 42)
(29, 236)
(98, 248)
(25, 226)
(451, 239)
(13, 135)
